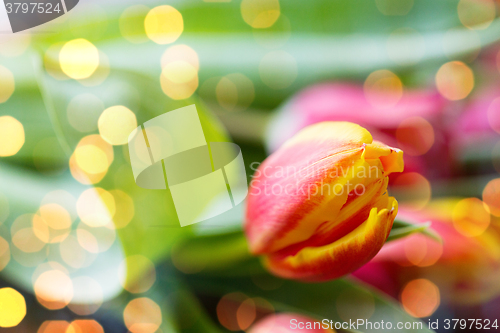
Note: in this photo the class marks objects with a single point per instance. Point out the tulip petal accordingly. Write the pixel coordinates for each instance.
(344, 255)
(323, 164)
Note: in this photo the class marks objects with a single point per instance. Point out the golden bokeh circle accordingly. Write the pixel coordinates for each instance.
(454, 80)
(260, 14)
(11, 136)
(163, 24)
(420, 298)
(12, 307)
(7, 84)
(116, 123)
(142, 315)
(79, 59)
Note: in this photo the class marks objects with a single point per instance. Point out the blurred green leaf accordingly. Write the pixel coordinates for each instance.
(327, 40)
(338, 300)
(401, 228)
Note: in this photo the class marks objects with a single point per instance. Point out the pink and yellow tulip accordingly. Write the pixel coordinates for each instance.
(318, 208)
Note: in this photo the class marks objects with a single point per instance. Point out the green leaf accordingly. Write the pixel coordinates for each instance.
(327, 40)
(181, 311)
(401, 228)
(338, 300)
(154, 228)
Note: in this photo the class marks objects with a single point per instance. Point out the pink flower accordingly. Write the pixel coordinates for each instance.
(348, 102)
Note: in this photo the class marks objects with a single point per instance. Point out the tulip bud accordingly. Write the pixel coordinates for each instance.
(318, 207)
(288, 323)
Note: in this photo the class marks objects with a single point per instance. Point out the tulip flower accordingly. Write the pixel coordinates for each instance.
(318, 208)
(466, 265)
(288, 323)
(348, 102)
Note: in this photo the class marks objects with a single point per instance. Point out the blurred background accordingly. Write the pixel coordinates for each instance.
(87, 250)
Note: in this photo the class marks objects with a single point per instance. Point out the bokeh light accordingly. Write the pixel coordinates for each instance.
(52, 224)
(51, 62)
(275, 36)
(142, 315)
(55, 326)
(12, 307)
(7, 84)
(494, 115)
(421, 251)
(4, 253)
(116, 123)
(53, 289)
(164, 24)
(101, 73)
(180, 65)
(85, 326)
(179, 71)
(476, 14)
(383, 89)
(11, 135)
(26, 249)
(260, 13)
(454, 80)
(180, 52)
(80, 172)
(91, 159)
(178, 91)
(96, 207)
(394, 7)
(246, 314)
(96, 239)
(235, 92)
(132, 24)
(470, 217)
(278, 69)
(415, 136)
(227, 311)
(491, 196)
(63, 199)
(79, 59)
(24, 234)
(412, 189)
(420, 298)
(125, 209)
